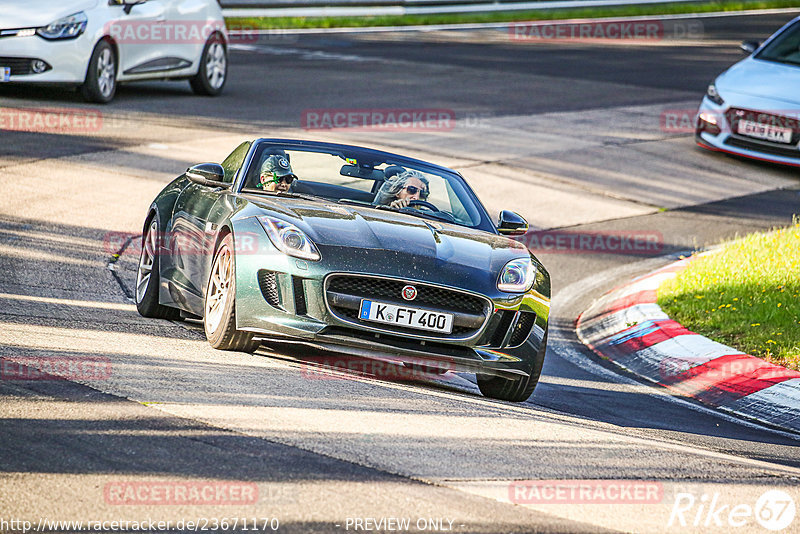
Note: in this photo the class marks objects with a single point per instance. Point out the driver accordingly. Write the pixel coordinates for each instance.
(401, 189)
(276, 174)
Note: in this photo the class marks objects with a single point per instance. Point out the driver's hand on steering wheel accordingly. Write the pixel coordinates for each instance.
(400, 203)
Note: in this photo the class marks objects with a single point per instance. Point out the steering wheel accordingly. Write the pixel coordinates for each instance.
(424, 204)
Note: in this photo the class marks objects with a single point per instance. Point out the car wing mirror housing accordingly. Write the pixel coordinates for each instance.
(511, 223)
(127, 4)
(210, 174)
(750, 46)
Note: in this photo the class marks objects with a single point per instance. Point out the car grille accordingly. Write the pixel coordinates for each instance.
(19, 65)
(522, 329)
(268, 282)
(508, 329)
(750, 143)
(344, 292)
(776, 149)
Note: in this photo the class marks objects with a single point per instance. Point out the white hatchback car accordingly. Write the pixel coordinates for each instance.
(94, 44)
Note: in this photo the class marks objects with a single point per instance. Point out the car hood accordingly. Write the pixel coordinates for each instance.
(35, 13)
(415, 243)
(765, 79)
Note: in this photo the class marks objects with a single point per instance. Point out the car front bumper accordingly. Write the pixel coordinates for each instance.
(67, 59)
(714, 130)
(295, 307)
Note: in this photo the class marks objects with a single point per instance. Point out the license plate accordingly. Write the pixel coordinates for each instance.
(5, 74)
(381, 312)
(765, 131)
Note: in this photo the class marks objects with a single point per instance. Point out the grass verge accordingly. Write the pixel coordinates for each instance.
(745, 296)
(501, 16)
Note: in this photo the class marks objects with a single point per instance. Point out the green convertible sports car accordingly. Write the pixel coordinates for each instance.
(351, 250)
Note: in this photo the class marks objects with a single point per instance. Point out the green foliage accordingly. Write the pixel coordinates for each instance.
(745, 295)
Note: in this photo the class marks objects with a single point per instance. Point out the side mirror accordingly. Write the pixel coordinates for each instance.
(127, 4)
(749, 46)
(511, 223)
(210, 174)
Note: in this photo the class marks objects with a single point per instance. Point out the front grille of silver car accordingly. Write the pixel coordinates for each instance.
(19, 65)
(762, 145)
(343, 294)
(776, 149)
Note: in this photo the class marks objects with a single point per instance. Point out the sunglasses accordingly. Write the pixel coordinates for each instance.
(413, 190)
(288, 179)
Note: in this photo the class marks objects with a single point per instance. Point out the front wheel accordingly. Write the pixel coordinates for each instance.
(517, 389)
(100, 83)
(219, 317)
(213, 70)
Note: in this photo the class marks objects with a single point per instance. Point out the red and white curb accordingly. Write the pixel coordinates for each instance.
(627, 327)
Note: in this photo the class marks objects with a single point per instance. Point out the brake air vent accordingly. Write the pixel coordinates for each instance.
(268, 282)
(522, 329)
(300, 307)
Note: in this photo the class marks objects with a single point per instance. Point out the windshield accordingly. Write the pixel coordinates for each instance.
(343, 178)
(785, 48)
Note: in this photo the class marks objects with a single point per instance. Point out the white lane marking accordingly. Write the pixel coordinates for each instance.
(535, 411)
(311, 55)
(70, 302)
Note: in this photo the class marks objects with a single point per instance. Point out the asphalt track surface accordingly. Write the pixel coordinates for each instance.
(322, 451)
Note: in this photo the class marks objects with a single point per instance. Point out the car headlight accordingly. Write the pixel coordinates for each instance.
(714, 95)
(517, 276)
(289, 239)
(65, 28)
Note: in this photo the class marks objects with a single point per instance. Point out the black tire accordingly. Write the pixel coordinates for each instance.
(514, 389)
(213, 70)
(145, 291)
(100, 84)
(219, 323)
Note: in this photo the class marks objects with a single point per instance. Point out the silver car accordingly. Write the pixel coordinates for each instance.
(94, 44)
(753, 108)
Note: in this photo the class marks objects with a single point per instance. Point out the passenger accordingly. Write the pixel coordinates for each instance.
(400, 190)
(276, 174)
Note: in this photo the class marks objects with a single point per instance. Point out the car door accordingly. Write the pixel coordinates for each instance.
(191, 20)
(194, 227)
(141, 37)
(191, 240)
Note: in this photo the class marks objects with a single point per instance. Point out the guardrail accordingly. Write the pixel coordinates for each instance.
(357, 8)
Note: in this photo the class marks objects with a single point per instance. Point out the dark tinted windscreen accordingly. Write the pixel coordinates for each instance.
(785, 48)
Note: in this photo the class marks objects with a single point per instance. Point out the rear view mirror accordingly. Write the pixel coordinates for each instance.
(511, 223)
(357, 171)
